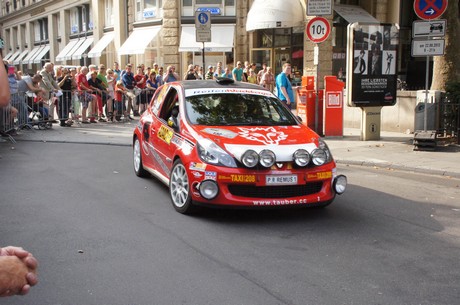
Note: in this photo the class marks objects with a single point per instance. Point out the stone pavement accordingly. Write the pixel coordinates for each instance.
(392, 151)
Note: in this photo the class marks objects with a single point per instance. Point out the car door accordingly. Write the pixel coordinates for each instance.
(161, 134)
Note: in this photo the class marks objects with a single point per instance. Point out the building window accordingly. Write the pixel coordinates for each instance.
(216, 7)
(109, 18)
(74, 21)
(81, 19)
(148, 9)
(41, 30)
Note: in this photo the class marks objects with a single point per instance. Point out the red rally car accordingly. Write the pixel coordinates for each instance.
(227, 143)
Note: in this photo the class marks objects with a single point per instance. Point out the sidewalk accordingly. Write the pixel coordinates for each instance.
(392, 151)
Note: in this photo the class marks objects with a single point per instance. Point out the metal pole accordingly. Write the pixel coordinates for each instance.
(204, 68)
(317, 98)
(425, 114)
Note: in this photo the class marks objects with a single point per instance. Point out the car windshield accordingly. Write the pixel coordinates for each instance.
(237, 109)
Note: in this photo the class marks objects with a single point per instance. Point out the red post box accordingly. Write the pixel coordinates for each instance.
(333, 106)
(301, 105)
(308, 82)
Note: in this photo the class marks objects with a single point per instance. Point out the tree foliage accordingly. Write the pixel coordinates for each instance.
(446, 68)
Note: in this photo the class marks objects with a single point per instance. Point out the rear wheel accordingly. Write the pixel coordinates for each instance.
(179, 189)
(137, 160)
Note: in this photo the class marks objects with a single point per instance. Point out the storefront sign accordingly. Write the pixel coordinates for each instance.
(211, 10)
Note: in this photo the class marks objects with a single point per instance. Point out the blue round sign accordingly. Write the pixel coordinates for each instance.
(203, 18)
(429, 9)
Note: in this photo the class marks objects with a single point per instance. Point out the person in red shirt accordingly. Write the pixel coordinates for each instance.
(141, 99)
(118, 105)
(86, 97)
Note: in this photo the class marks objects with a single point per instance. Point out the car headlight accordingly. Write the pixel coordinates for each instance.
(301, 157)
(250, 158)
(267, 158)
(324, 147)
(210, 152)
(319, 156)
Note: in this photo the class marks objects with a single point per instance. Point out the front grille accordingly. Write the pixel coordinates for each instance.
(279, 191)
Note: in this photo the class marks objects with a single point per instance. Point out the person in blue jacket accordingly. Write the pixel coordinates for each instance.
(284, 87)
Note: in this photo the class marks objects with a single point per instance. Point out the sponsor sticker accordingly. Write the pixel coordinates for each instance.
(220, 132)
(201, 167)
(197, 174)
(199, 91)
(210, 176)
(320, 175)
(279, 202)
(238, 178)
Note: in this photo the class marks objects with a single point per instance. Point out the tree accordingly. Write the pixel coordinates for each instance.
(447, 68)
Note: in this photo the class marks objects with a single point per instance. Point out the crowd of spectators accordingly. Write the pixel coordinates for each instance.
(85, 95)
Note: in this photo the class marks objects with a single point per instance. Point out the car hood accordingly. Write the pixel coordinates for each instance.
(282, 140)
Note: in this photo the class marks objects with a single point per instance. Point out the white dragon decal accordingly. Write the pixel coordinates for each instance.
(268, 136)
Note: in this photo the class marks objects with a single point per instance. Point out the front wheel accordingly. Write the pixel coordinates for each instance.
(179, 189)
(137, 160)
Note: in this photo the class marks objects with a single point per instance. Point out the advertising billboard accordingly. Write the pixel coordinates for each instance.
(372, 64)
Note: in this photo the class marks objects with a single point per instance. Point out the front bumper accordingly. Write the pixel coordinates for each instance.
(243, 187)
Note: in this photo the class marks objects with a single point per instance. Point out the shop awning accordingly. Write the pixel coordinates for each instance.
(69, 54)
(67, 48)
(15, 54)
(7, 56)
(222, 38)
(100, 46)
(269, 14)
(353, 13)
(41, 54)
(29, 58)
(138, 41)
(82, 49)
(21, 56)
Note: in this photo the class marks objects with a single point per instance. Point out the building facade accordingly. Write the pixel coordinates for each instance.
(83, 32)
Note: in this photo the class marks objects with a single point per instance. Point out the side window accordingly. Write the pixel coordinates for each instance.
(170, 100)
(158, 100)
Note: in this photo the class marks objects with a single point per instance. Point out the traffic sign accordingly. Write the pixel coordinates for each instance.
(434, 47)
(432, 28)
(203, 20)
(318, 29)
(203, 35)
(319, 7)
(429, 9)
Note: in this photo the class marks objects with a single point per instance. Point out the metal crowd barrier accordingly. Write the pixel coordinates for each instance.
(29, 111)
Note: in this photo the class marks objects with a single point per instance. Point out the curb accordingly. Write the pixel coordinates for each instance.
(400, 167)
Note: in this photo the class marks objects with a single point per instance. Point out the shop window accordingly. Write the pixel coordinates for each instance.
(148, 9)
(282, 37)
(263, 38)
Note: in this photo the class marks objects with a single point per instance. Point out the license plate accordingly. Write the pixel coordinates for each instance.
(277, 180)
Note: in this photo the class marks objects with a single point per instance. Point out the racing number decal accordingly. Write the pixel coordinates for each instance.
(165, 134)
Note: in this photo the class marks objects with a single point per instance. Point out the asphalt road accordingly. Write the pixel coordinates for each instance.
(104, 236)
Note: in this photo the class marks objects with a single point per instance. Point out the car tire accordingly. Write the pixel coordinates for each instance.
(179, 189)
(137, 160)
